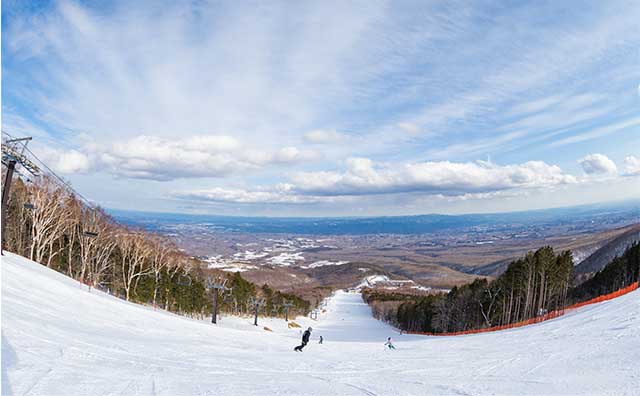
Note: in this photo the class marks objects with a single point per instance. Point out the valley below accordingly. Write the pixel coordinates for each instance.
(434, 252)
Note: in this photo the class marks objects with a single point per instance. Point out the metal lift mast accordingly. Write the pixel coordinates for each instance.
(12, 155)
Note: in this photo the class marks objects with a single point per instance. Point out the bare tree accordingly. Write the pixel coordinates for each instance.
(72, 232)
(160, 259)
(18, 219)
(49, 219)
(486, 306)
(134, 250)
(97, 242)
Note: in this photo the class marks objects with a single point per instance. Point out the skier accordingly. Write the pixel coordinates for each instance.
(320, 342)
(389, 343)
(305, 340)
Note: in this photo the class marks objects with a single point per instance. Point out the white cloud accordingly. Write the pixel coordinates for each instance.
(210, 143)
(72, 162)
(363, 177)
(149, 157)
(154, 158)
(324, 136)
(66, 161)
(280, 194)
(289, 155)
(597, 164)
(632, 165)
(410, 128)
(236, 196)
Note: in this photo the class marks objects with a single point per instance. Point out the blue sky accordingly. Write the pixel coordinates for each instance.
(329, 108)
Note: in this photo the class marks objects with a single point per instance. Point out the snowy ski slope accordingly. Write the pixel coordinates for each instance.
(59, 339)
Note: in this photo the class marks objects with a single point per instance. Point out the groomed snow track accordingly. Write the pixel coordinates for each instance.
(60, 339)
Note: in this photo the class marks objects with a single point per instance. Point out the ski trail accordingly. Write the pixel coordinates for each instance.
(58, 339)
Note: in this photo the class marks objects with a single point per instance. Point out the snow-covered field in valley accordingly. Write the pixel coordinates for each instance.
(60, 339)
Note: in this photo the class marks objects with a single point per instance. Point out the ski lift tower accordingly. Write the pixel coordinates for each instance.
(216, 285)
(275, 310)
(12, 155)
(286, 306)
(257, 304)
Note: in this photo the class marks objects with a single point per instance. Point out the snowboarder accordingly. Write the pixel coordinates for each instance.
(305, 340)
(320, 342)
(389, 343)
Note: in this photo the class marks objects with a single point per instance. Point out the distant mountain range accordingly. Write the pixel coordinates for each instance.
(418, 224)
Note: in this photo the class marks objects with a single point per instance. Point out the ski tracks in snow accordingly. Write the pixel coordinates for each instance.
(57, 339)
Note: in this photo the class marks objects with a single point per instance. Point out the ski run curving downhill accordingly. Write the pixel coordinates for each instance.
(58, 338)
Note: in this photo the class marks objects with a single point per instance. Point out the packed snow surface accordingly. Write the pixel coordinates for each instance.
(60, 339)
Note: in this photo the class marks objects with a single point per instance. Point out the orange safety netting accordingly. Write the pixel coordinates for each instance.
(537, 319)
(606, 297)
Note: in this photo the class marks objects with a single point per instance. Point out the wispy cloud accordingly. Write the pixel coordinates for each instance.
(257, 93)
(324, 136)
(278, 195)
(598, 132)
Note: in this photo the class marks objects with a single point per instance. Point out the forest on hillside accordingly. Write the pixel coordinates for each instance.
(49, 224)
(532, 286)
(619, 273)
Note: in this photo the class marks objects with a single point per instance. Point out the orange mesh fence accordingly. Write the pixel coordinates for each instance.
(606, 297)
(537, 319)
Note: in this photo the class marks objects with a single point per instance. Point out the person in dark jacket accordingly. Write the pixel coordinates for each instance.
(305, 340)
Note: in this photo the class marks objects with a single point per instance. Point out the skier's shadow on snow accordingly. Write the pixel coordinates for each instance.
(9, 359)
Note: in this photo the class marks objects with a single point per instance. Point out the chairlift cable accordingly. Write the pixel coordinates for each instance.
(54, 174)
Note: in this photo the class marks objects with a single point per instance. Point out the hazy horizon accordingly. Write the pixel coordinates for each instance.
(610, 204)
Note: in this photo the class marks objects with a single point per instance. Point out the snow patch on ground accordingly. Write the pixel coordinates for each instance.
(370, 281)
(249, 255)
(323, 263)
(579, 255)
(383, 281)
(279, 252)
(285, 259)
(226, 264)
(240, 268)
